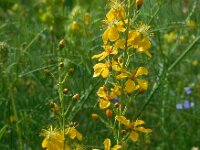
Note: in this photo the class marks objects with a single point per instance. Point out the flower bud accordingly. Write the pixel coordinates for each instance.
(76, 97)
(62, 44)
(139, 3)
(65, 91)
(74, 25)
(95, 116)
(109, 113)
(61, 64)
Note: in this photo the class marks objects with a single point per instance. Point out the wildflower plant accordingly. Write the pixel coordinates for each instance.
(62, 135)
(123, 37)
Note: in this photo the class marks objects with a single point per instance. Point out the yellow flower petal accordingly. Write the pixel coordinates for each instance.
(134, 136)
(105, 36)
(129, 86)
(143, 84)
(141, 71)
(123, 120)
(105, 72)
(113, 34)
(120, 44)
(144, 130)
(138, 122)
(122, 76)
(120, 26)
(116, 65)
(101, 56)
(44, 142)
(110, 15)
(104, 104)
(72, 133)
(116, 147)
(102, 93)
(107, 144)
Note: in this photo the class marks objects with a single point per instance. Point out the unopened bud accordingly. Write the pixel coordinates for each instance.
(62, 44)
(95, 116)
(76, 96)
(139, 3)
(109, 113)
(65, 91)
(61, 64)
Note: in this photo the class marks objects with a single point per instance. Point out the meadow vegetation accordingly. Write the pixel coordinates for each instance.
(99, 74)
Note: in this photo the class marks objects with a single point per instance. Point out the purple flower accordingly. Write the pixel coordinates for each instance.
(186, 104)
(188, 90)
(179, 106)
(115, 100)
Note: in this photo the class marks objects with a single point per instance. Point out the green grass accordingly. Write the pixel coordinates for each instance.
(28, 45)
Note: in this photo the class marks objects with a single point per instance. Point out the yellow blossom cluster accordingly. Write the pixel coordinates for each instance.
(118, 40)
(122, 38)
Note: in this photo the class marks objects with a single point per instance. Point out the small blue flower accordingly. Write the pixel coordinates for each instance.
(179, 106)
(188, 90)
(115, 100)
(186, 104)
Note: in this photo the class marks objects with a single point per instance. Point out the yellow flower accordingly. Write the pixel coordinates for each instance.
(109, 50)
(117, 64)
(54, 139)
(106, 98)
(130, 85)
(114, 22)
(101, 69)
(107, 145)
(134, 126)
(72, 133)
(139, 42)
(113, 30)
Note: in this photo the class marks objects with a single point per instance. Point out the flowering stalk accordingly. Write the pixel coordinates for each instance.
(121, 39)
(55, 139)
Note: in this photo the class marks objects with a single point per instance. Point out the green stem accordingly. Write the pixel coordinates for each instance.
(17, 123)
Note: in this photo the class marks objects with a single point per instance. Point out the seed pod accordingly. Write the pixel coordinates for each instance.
(76, 97)
(95, 116)
(65, 91)
(139, 3)
(109, 113)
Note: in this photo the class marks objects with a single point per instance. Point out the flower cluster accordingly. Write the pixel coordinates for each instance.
(122, 39)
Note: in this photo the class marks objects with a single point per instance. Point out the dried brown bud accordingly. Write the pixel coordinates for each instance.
(65, 91)
(95, 116)
(139, 3)
(109, 113)
(116, 105)
(76, 96)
